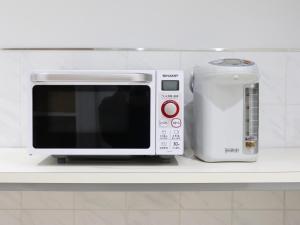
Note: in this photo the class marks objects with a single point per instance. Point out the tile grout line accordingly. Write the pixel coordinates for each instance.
(126, 200)
(180, 207)
(284, 208)
(154, 210)
(20, 95)
(232, 207)
(21, 209)
(159, 209)
(180, 61)
(74, 210)
(126, 208)
(127, 60)
(285, 99)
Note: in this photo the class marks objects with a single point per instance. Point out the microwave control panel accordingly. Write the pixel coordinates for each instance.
(170, 113)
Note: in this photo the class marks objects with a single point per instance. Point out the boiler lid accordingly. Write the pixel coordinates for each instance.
(228, 71)
(232, 62)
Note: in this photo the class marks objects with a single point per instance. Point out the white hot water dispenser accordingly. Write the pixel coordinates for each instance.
(226, 110)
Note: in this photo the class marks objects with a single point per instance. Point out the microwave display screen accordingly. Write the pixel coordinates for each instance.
(170, 85)
(91, 116)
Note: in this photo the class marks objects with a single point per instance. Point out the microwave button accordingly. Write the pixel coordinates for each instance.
(176, 131)
(175, 144)
(164, 144)
(175, 137)
(163, 123)
(164, 135)
(176, 123)
(170, 108)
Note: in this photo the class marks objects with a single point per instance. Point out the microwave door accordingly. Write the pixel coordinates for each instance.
(124, 116)
(91, 116)
(88, 118)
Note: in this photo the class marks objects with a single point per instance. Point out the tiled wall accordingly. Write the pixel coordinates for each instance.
(150, 208)
(279, 127)
(280, 82)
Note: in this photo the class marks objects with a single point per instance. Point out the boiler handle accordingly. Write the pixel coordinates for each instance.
(192, 80)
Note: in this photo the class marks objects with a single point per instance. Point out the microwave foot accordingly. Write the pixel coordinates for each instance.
(61, 160)
(166, 157)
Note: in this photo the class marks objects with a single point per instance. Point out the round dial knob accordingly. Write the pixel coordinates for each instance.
(170, 109)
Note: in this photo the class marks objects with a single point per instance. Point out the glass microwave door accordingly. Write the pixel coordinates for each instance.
(91, 116)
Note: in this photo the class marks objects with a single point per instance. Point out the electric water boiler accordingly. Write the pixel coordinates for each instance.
(226, 110)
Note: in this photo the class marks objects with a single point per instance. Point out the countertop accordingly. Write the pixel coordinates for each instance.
(273, 166)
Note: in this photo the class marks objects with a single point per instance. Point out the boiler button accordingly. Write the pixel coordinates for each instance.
(176, 123)
(163, 123)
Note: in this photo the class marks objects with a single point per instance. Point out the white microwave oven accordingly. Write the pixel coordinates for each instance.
(106, 112)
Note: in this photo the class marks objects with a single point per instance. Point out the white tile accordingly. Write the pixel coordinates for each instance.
(292, 200)
(292, 217)
(206, 200)
(47, 200)
(258, 218)
(105, 217)
(153, 60)
(293, 78)
(10, 114)
(258, 199)
(89, 60)
(46, 60)
(10, 200)
(141, 217)
(205, 217)
(272, 70)
(153, 200)
(272, 126)
(10, 217)
(100, 200)
(293, 126)
(47, 217)
(106, 60)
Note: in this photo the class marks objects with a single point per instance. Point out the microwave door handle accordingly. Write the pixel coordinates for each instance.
(97, 77)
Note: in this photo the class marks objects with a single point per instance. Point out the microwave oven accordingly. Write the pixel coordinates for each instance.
(106, 112)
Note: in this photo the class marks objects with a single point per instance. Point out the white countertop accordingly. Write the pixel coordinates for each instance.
(273, 166)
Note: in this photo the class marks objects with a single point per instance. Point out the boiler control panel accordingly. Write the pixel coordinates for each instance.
(169, 112)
